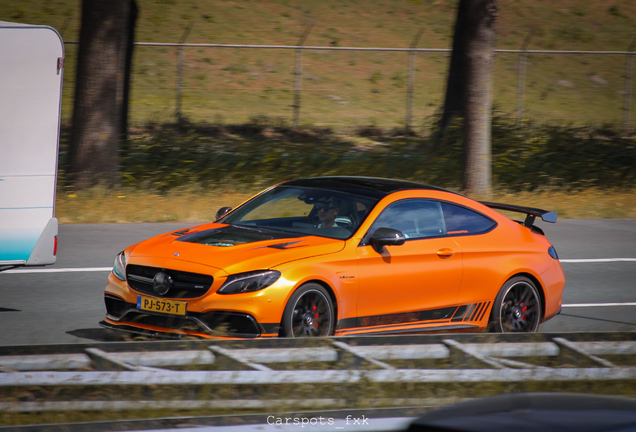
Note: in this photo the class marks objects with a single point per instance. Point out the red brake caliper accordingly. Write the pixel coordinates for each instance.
(316, 315)
(524, 309)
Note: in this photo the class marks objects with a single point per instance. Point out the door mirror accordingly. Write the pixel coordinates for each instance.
(386, 237)
(222, 212)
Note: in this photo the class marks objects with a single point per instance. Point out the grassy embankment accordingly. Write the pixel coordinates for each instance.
(353, 88)
(173, 175)
(193, 205)
(346, 92)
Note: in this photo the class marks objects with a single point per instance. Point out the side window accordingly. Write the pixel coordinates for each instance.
(415, 218)
(460, 220)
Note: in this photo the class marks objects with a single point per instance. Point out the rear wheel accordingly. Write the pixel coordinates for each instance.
(309, 313)
(517, 307)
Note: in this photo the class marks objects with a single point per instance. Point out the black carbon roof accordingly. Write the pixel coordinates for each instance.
(371, 186)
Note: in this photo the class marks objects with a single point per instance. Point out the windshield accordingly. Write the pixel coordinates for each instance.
(308, 211)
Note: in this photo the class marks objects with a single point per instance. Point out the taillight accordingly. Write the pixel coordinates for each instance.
(55, 246)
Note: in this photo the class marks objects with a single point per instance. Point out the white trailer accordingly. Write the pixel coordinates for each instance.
(31, 70)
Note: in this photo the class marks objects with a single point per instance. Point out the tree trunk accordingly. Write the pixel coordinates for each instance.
(469, 90)
(458, 70)
(100, 92)
(130, 46)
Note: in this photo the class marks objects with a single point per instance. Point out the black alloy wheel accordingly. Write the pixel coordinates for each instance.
(309, 313)
(517, 308)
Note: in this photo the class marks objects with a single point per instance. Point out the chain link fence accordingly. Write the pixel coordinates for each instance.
(344, 87)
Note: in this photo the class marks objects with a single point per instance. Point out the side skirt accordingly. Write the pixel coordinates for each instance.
(465, 317)
(408, 330)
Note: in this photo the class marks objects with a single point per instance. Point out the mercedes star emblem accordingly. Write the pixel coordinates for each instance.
(161, 283)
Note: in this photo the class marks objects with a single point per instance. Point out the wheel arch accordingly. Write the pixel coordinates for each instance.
(332, 296)
(539, 286)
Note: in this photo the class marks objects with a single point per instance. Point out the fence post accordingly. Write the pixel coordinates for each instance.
(180, 73)
(298, 72)
(521, 77)
(629, 64)
(411, 78)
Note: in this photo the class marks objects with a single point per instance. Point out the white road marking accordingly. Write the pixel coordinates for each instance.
(580, 305)
(598, 260)
(574, 305)
(105, 269)
(61, 270)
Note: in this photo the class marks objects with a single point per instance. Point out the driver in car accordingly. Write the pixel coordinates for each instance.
(327, 212)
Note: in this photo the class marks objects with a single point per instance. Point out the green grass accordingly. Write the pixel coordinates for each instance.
(239, 101)
(344, 89)
(196, 205)
(195, 170)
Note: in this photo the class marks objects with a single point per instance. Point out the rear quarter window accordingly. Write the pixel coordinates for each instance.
(462, 221)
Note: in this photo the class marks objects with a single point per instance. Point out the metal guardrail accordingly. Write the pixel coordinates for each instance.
(240, 375)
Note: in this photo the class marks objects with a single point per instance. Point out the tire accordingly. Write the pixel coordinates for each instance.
(309, 313)
(517, 307)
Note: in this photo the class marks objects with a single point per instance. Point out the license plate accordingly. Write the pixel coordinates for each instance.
(163, 306)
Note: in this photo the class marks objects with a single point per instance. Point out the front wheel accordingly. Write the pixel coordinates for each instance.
(309, 313)
(517, 307)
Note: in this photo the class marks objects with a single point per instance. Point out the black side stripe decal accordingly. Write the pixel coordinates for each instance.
(414, 330)
(459, 315)
(484, 312)
(477, 311)
(399, 318)
(469, 311)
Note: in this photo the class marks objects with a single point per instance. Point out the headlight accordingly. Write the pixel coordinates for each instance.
(553, 253)
(119, 268)
(249, 282)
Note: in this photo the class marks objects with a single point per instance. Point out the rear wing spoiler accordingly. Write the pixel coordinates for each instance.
(532, 213)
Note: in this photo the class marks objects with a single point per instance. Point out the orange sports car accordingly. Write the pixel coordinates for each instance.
(341, 256)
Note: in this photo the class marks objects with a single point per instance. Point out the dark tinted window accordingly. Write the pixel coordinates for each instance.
(460, 220)
(296, 210)
(415, 218)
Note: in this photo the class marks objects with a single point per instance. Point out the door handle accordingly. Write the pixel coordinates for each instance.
(445, 253)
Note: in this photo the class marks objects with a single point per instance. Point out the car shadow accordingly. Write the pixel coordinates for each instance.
(597, 319)
(100, 335)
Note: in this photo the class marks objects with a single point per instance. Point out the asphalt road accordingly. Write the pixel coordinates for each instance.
(57, 305)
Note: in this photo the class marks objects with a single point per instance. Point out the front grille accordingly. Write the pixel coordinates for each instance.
(184, 284)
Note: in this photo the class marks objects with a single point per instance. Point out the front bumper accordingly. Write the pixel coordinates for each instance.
(249, 315)
(553, 280)
(120, 313)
